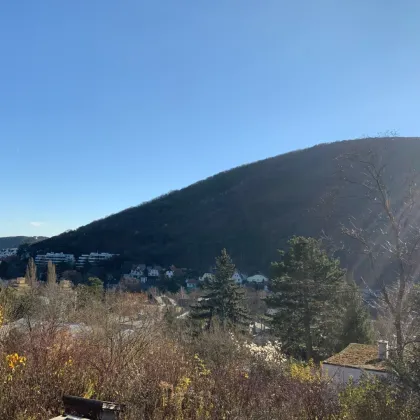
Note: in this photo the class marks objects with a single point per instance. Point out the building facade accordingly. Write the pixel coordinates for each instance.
(206, 276)
(257, 278)
(94, 258)
(153, 271)
(54, 257)
(238, 277)
(7, 253)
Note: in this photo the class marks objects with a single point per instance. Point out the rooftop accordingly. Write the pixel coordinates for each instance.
(362, 356)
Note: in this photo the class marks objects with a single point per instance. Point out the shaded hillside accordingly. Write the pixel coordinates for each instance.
(251, 210)
(16, 241)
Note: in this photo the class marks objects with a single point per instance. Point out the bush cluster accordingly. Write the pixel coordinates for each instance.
(119, 348)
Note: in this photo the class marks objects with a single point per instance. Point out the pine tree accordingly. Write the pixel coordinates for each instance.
(51, 274)
(222, 300)
(357, 324)
(30, 274)
(305, 294)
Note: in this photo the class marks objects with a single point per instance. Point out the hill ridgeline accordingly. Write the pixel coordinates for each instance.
(251, 210)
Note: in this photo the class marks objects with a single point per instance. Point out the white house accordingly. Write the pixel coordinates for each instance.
(169, 274)
(191, 283)
(238, 277)
(258, 327)
(152, 272)
(55, 257)
(7, 253)
(272, 311)
(257, 278)
(356, 360)
(137, 271)
(94, 258)
(206, 276)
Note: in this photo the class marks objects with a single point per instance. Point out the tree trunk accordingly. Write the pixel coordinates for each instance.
(308, 340)
(398, 332)
(308, 334)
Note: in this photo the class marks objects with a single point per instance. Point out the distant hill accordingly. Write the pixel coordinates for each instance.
(251, 210)
(16, 241)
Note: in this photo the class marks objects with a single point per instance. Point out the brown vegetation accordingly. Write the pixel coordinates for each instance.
(119, 347)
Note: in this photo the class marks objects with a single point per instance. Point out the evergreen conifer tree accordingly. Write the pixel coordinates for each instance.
(306, 295)
(222, 300)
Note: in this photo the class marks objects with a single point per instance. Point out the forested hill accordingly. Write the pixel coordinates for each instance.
(251, 210)
(16, 241)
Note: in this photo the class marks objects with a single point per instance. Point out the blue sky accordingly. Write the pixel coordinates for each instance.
(106, 104)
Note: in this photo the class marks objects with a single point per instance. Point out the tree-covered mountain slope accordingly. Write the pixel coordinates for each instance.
(251, 210)
(16, 241)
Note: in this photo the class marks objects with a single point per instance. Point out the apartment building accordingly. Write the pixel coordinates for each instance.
(7, 253)
(94, 258)
(54, 257)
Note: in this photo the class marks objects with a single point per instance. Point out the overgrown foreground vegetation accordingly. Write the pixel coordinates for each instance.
(97, 345)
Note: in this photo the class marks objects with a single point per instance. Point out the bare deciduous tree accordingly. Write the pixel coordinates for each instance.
(30, 274)
(391, 241)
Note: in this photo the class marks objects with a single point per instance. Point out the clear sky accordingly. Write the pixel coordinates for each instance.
(105, 104)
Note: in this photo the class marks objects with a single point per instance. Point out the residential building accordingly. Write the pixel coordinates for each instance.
(169, 274)
(7, 253)
(238, 277)
(206, 276)
(257, 278)
(153, 271)
(261, 333)
(355, 360)
(66, 285)
(258, 327)
(94, 258)
(137, 271)
(143, 280)
(20, 284)
(54, 257)
(191, 284)
(272, 311)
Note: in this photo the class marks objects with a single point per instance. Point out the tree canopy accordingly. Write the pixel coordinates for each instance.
(222, 300)
(306, 287)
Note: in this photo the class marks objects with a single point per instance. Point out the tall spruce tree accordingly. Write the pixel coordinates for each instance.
(306, 295)
(51, 274)
(222, 300)
(30, 274)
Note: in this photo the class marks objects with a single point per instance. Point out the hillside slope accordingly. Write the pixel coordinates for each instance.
(16, 241)
(251, 210)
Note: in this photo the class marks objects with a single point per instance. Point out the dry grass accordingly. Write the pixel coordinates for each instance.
(116, 355)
